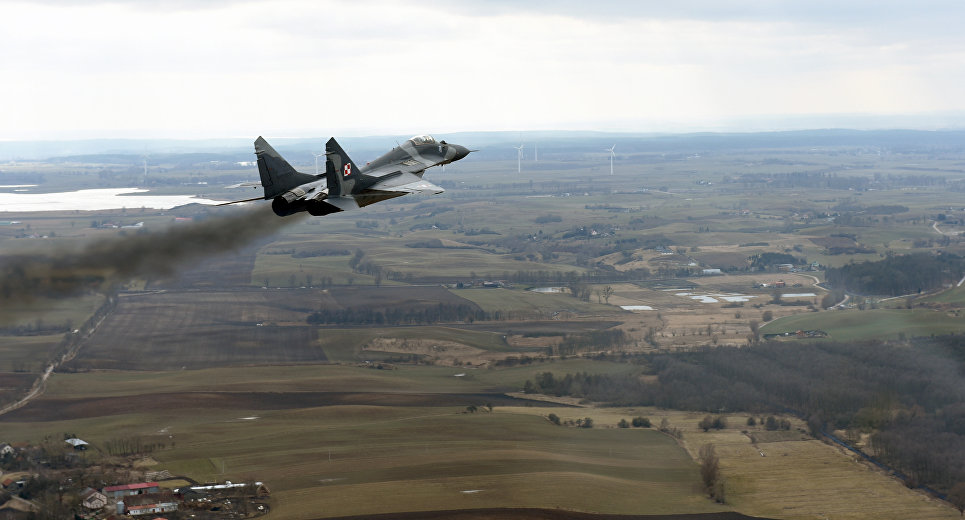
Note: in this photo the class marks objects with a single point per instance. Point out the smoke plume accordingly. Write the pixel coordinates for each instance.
(100, 264)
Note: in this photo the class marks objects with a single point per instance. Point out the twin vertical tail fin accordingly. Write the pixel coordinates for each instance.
(342, 176)
(277, 176)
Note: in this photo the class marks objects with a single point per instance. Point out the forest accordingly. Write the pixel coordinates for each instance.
(907, 395)
(898, 275)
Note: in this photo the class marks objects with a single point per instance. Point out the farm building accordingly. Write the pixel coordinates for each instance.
(147, 509)
(711, 272)
(124, 490)
(93, 499)
(162, 502)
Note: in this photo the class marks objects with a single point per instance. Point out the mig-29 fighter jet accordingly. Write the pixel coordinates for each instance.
(345, 185)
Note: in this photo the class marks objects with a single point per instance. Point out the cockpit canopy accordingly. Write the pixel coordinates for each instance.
(423, 139)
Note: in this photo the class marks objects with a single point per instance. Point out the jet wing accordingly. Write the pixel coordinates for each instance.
(404, 183)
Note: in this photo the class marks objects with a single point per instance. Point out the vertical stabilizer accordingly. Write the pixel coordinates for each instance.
(277, 176)
(341, 173)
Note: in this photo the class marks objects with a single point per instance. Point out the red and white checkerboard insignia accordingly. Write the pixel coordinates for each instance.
(347, 170)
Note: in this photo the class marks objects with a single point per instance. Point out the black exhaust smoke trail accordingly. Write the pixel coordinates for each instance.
(102, 263)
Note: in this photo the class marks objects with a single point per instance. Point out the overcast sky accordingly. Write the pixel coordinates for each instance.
(225, 68)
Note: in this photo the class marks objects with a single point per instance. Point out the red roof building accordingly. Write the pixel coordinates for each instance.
(131, 489)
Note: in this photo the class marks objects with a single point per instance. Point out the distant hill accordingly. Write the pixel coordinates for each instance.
(494, 145)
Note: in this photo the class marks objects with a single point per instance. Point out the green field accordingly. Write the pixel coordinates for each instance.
(954, 296)
(848, 325)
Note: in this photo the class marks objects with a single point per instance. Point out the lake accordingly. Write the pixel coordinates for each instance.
(96, 199)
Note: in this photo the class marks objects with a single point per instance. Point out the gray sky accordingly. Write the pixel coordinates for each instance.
(225, 68)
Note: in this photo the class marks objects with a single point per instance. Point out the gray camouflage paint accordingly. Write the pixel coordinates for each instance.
(345, 185)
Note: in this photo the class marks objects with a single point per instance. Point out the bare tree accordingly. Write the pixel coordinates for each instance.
(755, 331)
(709, 468)
(957, 497)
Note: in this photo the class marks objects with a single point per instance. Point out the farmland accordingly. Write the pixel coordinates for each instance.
(337, 358)
(370, 439)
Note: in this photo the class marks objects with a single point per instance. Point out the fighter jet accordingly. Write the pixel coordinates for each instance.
(345, 185)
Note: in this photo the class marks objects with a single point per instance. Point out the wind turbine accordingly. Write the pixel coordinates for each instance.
(610, 149)
(317, 155)
(519, 158)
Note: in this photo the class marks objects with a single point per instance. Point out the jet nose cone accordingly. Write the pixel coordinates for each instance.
(461, 151)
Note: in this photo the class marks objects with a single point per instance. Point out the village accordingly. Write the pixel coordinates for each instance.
(76, 481)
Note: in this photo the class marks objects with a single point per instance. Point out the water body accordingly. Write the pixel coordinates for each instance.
(97, 199)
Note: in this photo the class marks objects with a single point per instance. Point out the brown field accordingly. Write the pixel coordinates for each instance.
(442, 352)
(802, 478)
(201, 329)
(333, 454)
(537, 514)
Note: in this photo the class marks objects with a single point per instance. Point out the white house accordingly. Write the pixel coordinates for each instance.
(93, 499)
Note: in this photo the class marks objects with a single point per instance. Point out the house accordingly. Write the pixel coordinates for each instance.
(93, 499)
(124, 490)
(6, 449)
